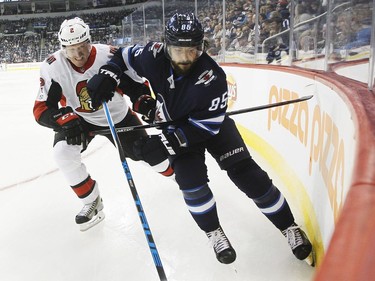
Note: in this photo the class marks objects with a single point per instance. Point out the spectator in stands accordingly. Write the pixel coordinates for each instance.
(218, 31)
(240, 18)
(267, 8)
(282, 8)
(216, 48)
(301, 14)
(353, 29)
(242, 44)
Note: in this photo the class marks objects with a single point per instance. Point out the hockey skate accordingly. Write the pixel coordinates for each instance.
(91, 214)
(222, 247)
(299, 243)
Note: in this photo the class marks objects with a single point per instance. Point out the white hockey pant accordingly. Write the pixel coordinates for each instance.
(69, 161)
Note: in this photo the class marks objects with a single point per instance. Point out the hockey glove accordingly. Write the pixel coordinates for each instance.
(101, 87)
(70, 124)
(150, 149)
(145, 105)
(154, 147)
(173, 139)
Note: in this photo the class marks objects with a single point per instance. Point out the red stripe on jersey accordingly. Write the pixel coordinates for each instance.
(39, 108)
(63, 101)
(84, 188)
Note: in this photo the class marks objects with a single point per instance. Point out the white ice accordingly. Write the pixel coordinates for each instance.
(40, 241)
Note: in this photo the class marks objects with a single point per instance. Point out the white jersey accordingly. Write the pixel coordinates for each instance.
(73, 82)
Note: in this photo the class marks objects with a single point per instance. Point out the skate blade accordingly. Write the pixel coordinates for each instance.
(310, 260)
(94, 221)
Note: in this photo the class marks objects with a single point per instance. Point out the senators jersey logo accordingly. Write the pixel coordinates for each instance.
(84, 98)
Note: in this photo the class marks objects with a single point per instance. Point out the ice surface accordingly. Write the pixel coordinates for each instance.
(40, 240)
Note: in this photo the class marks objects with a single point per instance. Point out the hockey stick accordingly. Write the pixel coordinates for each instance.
(164, 124)
(137, 201)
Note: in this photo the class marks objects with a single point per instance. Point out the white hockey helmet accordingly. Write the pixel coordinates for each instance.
(73, 31)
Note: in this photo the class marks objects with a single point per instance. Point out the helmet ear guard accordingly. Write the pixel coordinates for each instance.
(73, 31)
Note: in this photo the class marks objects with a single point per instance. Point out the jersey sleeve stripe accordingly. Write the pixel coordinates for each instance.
(127, 55)
(39, 108)
(211, 125)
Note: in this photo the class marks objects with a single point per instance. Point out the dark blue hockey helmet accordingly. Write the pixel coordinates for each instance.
(184, 30)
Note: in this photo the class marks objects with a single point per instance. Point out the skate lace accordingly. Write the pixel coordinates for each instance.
(293, 235)
(218, 240)
(88, 208)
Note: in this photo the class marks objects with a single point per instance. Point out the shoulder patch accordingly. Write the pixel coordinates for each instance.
(50, 59)
(156, 48)
(206, 77)
(41, 82)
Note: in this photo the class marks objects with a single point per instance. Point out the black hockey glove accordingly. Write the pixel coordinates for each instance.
(101, 87)
(154, 147)
(150, 149)
(145, 105)
(173, 139)
(70, 124)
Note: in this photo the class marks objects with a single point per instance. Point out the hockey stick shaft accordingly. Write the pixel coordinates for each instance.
(137, 201)
(266, 106)
(235, 112)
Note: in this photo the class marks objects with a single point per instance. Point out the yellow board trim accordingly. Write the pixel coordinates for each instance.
(299, 198)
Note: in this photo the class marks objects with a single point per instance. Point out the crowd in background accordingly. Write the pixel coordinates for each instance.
(23, 40)
(29, 40)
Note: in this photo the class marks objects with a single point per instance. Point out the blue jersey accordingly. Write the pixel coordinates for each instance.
(200, 97)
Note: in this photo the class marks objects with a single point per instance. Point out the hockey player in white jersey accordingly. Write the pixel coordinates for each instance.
(64, 105)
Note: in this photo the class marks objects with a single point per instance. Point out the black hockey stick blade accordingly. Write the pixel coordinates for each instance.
(162, 125)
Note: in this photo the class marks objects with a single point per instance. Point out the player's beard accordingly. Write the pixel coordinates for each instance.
(182, 68)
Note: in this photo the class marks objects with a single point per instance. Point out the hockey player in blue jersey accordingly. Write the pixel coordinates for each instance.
(191, 90)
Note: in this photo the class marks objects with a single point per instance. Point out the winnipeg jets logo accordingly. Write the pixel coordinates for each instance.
(206, 77)
(156, 48)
